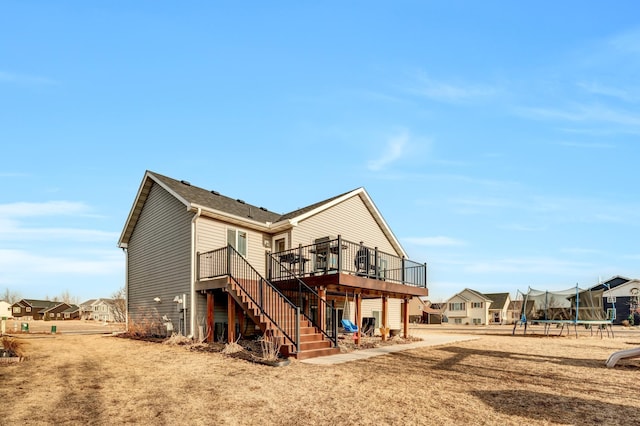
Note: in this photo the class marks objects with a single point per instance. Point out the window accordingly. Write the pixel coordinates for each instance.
(476, 304)
(611, 299)
(611, 314)
(477, 321)
(51, 315)
(28, 309)
(16, 309)
(238, 240)
(457, 306)
(458, 321)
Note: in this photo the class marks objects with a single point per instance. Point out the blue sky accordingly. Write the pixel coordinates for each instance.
(499, 139)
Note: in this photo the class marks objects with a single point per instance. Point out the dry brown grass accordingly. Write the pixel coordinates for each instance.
(494, 380)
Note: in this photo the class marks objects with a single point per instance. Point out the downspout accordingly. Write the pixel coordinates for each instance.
(125, 250)
(193, 272)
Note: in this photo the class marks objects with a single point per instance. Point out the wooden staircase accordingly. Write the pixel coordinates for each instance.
(312, 341)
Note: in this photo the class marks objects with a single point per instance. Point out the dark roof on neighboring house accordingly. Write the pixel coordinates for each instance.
(35, 303)
(612, 282)
(71, 309)
(498, 300)
(88, 302)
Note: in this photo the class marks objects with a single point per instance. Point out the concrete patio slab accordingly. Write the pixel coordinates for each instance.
(428, 340)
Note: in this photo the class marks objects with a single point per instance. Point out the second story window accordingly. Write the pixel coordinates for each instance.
(456, 306)
(238, 240)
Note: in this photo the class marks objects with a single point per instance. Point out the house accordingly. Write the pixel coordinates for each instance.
(102, 309)
(58, 312)
(31, 309)
(417, 307)
(468, 307)
(621, 299)
(199, 261)
(5, 310)
(499, 308)
(434, 313)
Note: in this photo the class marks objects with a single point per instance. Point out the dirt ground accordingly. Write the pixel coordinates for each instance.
(497, 379)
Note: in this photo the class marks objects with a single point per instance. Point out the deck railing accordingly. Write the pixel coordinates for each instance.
(316, 309)
(274, 305)
(341, 256)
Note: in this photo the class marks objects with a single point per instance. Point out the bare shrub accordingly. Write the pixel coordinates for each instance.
(177, 340)
(270, 346)
(232, 348)
(147, 323)
(12, 346)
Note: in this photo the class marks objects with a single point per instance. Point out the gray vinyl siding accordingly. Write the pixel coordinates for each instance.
(159, 260)
(350, 219)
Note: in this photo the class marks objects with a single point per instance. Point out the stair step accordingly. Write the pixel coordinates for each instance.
(321, 344)
(316, 353)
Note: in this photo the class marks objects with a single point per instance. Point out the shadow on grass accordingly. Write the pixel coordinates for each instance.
(461, 353)
(558, 409)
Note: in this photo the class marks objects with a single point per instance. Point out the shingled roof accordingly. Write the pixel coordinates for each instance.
(235, 210)
(498, 299)
(214, 200)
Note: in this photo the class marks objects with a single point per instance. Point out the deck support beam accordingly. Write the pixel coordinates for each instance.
(322, 311)
(210, 317)
(385, 314)
(405, 318)
(358, 300)
(231, 319)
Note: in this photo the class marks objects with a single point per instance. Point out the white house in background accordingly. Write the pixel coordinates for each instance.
(468, 307)
(106, 310)
(5, 309)
(499, 308)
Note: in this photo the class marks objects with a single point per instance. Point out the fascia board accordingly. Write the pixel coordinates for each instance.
(226, 217)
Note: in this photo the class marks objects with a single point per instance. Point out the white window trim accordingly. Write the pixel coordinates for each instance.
(236, 230)
(284, 236)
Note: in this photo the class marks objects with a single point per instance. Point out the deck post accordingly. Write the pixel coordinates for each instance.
(405, 318)
(339, 265)
(322, 309)
(358, 301)
(385, 310)
(231, 319)
(210, 316)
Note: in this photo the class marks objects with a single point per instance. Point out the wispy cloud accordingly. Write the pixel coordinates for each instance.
(451, 92)
(583, 113)
(438, 241)
(613, 92)
(395, 149)
(9, 77)
(50, 208)
(538, 265)
(628, 41)
(587, 145)
(15, 262)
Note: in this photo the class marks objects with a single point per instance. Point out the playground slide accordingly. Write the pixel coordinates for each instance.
(617, 356)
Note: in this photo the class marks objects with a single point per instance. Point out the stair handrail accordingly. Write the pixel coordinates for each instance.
(295, 338)
(333, 337)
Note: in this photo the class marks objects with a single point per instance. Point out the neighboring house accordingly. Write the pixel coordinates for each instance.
(499, 308)
(417, 307)
(5, 310)
(621, 299)
(468, 307)
(71, 313)
(433, 313)
(106, 310)
(31, 309)
(201, 261)
(58, 311)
